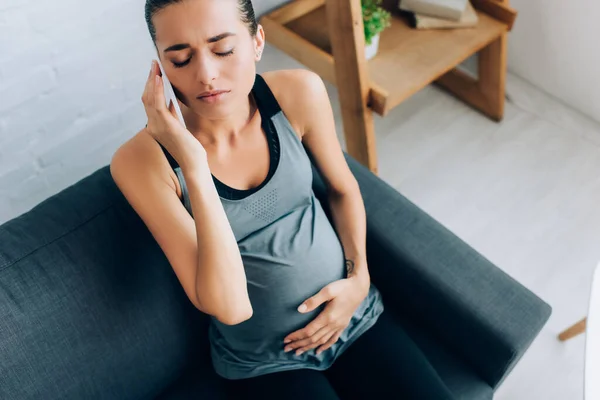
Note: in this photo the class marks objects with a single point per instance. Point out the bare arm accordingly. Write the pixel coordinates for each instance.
(349, 220)
(221, 281)
(347, 207)
(202, 250)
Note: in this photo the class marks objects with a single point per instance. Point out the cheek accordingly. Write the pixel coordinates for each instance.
(241, 68)
(185, 94)
(241, 61)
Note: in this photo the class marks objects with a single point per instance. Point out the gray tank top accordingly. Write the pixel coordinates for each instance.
(290, 251)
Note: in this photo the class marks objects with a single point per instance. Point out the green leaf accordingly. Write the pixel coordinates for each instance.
(375, 18)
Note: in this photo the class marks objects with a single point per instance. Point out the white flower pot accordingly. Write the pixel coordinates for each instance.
(371, 49)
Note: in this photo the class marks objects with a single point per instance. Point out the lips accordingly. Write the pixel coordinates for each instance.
(211, 93)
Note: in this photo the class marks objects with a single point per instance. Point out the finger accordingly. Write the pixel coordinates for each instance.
(315, 301)
(150, 99)
(309, 340)
(334, 338)
(324, 339)
(310, 329)
(159, 94)
(146, 93)
(151, 70)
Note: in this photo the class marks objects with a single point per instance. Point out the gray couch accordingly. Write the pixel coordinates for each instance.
(91, 309)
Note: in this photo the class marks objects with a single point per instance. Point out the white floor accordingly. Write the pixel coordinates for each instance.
(523, 192)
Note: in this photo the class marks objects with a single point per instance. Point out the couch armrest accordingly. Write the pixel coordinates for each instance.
(427, 273)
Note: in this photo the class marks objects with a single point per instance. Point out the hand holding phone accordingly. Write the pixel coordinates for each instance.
(170, 93)
(165, 121)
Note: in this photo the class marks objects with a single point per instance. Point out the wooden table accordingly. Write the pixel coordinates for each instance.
(327, 36)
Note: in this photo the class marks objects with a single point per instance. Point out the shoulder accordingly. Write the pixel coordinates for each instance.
(300, 79)
(296, 91)
(142, 154)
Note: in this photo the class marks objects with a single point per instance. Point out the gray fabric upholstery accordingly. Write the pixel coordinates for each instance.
(427, 273)
(90, 308)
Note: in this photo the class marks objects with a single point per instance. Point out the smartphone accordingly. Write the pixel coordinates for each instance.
(170, 94)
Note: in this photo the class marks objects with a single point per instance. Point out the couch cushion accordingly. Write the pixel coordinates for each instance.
(198, 382)
(89, 305)
(460, 378)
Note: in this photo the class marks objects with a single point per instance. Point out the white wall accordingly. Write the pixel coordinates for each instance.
(554, 45)
(71, 78)
(72, 73)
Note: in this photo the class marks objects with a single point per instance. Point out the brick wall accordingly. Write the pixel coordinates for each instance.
(71, 76)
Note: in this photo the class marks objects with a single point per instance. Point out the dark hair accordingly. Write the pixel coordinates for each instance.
(154, 6)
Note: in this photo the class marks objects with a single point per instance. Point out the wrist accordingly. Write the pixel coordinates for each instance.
(362, 278)
(196, 169)
(355, 264)
(358, 272)
(191, 154)
(361, 286)
(194, 162)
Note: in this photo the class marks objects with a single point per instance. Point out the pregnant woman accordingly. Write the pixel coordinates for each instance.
(229, 200)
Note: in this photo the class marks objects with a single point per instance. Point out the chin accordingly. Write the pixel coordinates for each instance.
(214, 111)
(217, 108)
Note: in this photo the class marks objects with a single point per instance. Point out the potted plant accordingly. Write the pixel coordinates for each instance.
(375, 20)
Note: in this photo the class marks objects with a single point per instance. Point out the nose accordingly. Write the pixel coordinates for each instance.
(207, 70)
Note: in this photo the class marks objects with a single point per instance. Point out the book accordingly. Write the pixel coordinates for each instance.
(447, 9)
(467, 20)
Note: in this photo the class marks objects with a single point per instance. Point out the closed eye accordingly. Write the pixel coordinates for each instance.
(227, 53)
(183, 64)
(186, 62)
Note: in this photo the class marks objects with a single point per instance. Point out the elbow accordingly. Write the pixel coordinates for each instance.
(237, 317)
(232, 314)
(232, 317)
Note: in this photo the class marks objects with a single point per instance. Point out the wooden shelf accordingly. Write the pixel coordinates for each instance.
(408, 59)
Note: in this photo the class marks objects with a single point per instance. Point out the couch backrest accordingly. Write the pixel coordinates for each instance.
(89, 305)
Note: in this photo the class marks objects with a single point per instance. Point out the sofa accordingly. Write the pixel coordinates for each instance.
(91, 309)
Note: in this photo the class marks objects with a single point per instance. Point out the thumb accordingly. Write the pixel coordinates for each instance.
(315, 301)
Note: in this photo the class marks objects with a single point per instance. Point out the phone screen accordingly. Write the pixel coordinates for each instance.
(170, 94)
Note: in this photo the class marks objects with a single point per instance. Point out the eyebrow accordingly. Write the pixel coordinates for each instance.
(181, 46)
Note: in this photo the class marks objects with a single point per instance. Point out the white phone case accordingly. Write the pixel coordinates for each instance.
(170, 94)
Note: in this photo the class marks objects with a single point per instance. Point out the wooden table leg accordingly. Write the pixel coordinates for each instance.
(346, 32)
(492, 74)
(486, 93)
(574, 330)
(492, 77)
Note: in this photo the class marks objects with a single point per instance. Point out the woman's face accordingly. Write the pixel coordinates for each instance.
(204, 47)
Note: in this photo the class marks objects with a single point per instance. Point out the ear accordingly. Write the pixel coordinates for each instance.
(259, 42)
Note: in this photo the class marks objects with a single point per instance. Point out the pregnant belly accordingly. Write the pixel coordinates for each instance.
(278, 284)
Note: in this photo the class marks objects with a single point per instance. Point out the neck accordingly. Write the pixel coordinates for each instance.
(213, 131)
